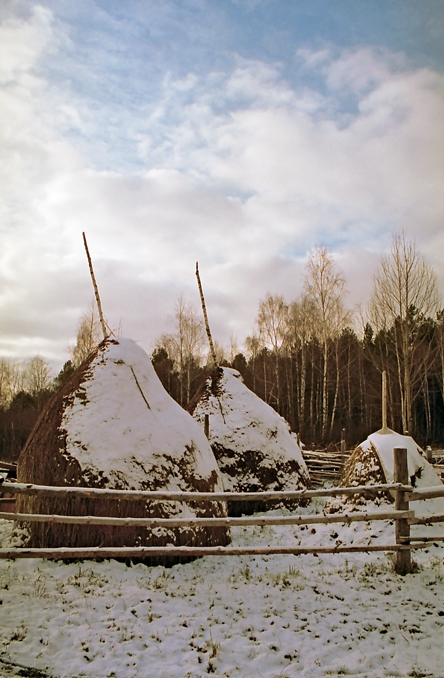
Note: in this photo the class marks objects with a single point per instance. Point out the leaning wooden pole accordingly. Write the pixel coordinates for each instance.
(96, 289)
(204, 310)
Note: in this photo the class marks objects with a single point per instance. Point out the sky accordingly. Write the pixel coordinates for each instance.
(237, 133)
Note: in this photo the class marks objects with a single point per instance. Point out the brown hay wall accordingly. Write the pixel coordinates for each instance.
(253, 475)
(44, 461)
(251, 470)
(363, 467)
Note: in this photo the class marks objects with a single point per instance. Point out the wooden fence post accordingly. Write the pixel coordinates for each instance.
(343, 441)
(403, 562)
(207, 425)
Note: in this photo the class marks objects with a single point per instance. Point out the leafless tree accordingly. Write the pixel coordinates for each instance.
(404, 289)
(272, 326)
(88, 336)
(37, 376)
(440, 343)
(302, 326)
(253, 347)
(185, 344)
(12, 380)
(326, 287)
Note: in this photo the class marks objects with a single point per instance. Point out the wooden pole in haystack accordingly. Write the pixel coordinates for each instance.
(384, 400)
(204, 309)
(207, 425)
(96, 289)
(384, 429)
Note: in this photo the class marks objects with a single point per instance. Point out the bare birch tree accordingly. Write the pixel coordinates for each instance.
(302, 327)
(253, 347)
(272, 325)
(440, 342)
(326, 287)
(37, 377)
(404, 289)
(88, 336)
(185, 344)
(12, 380)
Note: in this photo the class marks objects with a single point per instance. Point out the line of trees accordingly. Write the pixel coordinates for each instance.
(305, 358)
(25, 387)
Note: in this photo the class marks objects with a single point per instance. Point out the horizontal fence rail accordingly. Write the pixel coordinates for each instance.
(402, 517)
(162, 495)
(212, 522)
(193, 551)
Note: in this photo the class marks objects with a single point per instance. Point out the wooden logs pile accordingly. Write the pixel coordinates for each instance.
(7, 472)
(324, 466)
(438, 463)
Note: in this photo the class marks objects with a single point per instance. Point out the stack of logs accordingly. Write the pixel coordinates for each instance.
(325, 466)
(7, 472)
(438, 464)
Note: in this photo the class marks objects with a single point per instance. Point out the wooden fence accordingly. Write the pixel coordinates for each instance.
(402, 516)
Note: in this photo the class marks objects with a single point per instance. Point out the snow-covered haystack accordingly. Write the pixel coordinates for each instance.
(372, 463)
(253, 445)
(112, 425)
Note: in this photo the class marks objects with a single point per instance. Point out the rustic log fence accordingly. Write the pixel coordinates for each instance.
(402, 516)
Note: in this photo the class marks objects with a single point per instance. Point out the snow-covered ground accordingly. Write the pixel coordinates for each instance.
(238, 617)
(234, 617)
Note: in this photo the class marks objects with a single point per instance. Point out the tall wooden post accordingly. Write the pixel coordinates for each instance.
(403, 563)
(343, 441)
(204, 310)
(207, 425)
(384, 399)
(96, 289)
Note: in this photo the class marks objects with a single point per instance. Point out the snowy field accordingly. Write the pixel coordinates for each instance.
(238, 617)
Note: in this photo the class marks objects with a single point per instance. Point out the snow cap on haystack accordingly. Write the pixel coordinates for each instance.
(113, 425)
(372, 463)
(253, 444)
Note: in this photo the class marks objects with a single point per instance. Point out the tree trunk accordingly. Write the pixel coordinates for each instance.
(335, 399)
(324, 391)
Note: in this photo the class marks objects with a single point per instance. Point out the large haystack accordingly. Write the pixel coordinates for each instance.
(253, 445)
(112, 425)
(372, 463)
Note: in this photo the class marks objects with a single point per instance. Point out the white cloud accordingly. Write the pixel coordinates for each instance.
(363, 69)
(22, 42)
(243, 173)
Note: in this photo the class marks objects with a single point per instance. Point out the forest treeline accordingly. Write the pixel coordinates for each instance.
(306, 358)
(291, 379)
(308, 361)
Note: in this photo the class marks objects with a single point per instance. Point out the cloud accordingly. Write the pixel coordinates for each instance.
(359, 70)
(22, 42)
(271, 143)
(235, 169)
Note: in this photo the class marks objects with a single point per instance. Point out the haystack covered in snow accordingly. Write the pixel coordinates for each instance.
(112, 425)
(372, 463)
(253, 445)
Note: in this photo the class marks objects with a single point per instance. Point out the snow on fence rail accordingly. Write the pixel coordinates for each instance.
(401, 515)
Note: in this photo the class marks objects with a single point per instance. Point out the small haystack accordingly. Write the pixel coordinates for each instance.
(112, 425)
(253, 445)
(371, 463)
